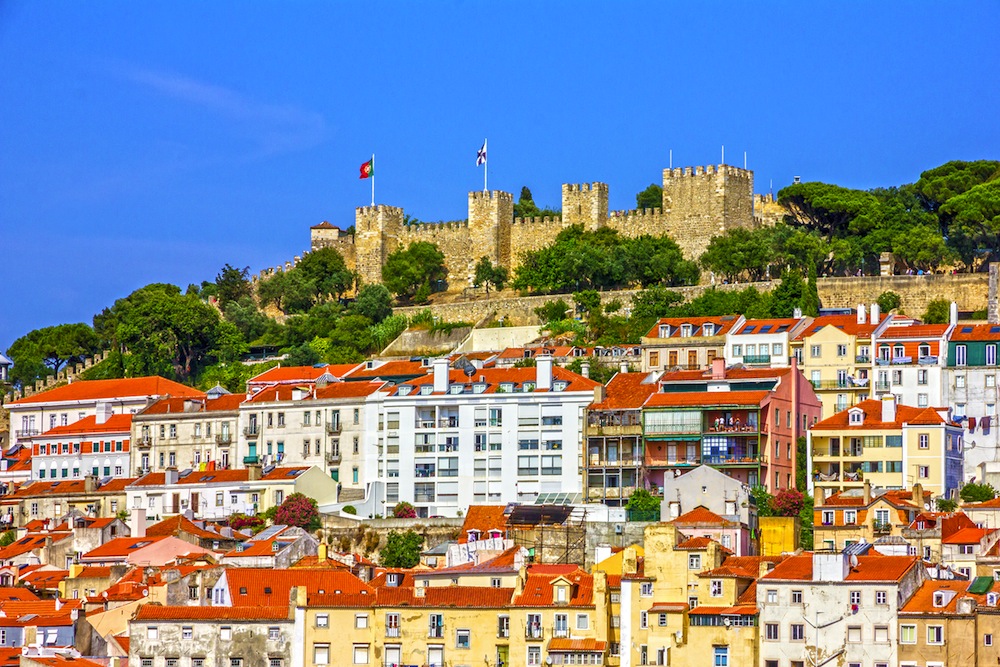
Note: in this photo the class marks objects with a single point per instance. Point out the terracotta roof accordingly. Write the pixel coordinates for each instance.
(975, 332)
(493, 377)
(390, 369)
(224, 403)
(10, 656)
(156, 612)
(482, 597)
(257, 581)
(331, 391)
(94, 572)
(308, 374)
(707, 398)
(626, 391)
(67, 487)
(700, 516)
(846, 323)
(969, 535)
(122, 546)
(218, 476)
(915, 331)
(91, 390)
(483, 518)
(114, 424)
(560, 644)
(870, 568)
(723, 324)
(922, 600)
(737, 372)
(872, 419)
(539, 590)
(181, 524)
(16, 593)
(986, 504)
(670, 607)
(63, 661)
(754, 327)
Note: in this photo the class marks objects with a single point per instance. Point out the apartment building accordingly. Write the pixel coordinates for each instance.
(195, 432)
(453, 438)
(97, 445)
(865, 515)
(892, 446)
(61, 406)
(764, 343)
(950, 622)
(909, 362)
(970, 389)
(692, 343)
(53, 499)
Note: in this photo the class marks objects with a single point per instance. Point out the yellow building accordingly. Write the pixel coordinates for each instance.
(834, 353)
(892, 446)
(863, 515)
(950, 622)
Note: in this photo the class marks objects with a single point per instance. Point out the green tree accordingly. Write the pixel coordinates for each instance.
(552, 311)
(739, 254)
(946, 505)
(487, 274)
(48, 350)
(8, 538)
(404, 510)
(806, 523)
(973, 223)
(810, 298)
(246, 316)
(408, 270)
(289, 291)
(888, 302)
(938, 312)
(788, 502)
(643, 506)
(763, 500)
(401, 549)
(936, 186)
(651, 197)
(373, 302)
(233, 284)
(977, 493)
(788, 296)
(325, 273)
(299, 510)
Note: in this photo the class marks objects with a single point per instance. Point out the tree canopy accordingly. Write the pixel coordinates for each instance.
(401, 549)
(47, 350)
(409, 269)
(526, 208)
(651, 197)
(489, 274)
(319, 276)
(299, 510)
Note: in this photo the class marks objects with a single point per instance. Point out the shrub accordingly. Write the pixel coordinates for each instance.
(349, 509)
(404, 510)
(298, 510)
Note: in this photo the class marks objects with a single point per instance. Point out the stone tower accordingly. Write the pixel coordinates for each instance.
(585, 204)
(490, 218)
(377, 232)
(702, 202)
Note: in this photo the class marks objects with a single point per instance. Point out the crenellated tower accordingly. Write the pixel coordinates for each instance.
(585, 204)
(702, 202)
(490, 216)
(377, 232)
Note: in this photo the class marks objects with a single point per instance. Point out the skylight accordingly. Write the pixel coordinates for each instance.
(749, 329)
(765, 329)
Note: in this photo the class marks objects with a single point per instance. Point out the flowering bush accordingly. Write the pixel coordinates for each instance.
(240, 521)
(298, 510)
(404, 510)
(787, 503)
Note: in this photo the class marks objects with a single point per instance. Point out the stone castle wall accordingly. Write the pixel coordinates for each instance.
(698, 203)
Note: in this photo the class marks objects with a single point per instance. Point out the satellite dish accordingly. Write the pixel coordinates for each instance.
(469, 370)
(727, 622)
(854, 560)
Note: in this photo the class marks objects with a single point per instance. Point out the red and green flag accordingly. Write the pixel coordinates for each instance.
(367, 169)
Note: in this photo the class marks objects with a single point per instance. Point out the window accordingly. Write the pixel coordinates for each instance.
(965, 549)
(152, 632)
(959, 355)
(923, 472)
(881, 634)
(922, 376)
(661, 620)
(322, 620)
(737, 350)
(361, 621)
(988, 640)
(796, 597)
(924, 440)
(534, 655)
(798, 632)
(854, 634)
(643, 619)
(462, 639)
(828, 517)
(225, 633)
(646, 589)
(771, 631)
(187, 632)
(582, 621)
(850, 517)
(815, 351)
(880, 597)
(721, 656)
(716, 588)
(503, 626)
(694, 562)
(922, 401)
(360, 651)
(435, 625)
(907, 634)
(856, 597)
(772, 596)
(935, 634)
(274, 633)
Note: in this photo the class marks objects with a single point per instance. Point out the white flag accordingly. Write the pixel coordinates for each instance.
(481, 156)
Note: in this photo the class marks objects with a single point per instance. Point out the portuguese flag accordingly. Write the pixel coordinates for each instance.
(367, 169)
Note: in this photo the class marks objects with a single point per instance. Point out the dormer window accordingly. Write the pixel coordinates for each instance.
(426, 389)
(559, 385)
(478, 387)
(456, 389)
(924, 350)
(528, 387)
(528, 354)
(686, 330)
(856, 417)
(495, 535)
(664, 331)
(506, 387)
(392, 579)
(939, 600)
(473, 535)
(561, 594)
(898, 352)
(404, 390)
(991, 599)
(708, 329)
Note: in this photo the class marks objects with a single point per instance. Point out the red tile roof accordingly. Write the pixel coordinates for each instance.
(66, 487)
(873, 418)
(114, 424)
(93, 390)
(924, 331)
(788, 322)
(979, 332)
(922, 600)
(870, 568)
(256, 581)
(482, 597)
(178, 524)
(307, 374)
(846, 323)
(483, 518)
(331, 391)
(670, 607)
(539, 590)
(224, 403)
(17, 593)
(390, 369)
(121, 547)
(218, 476)
(63, 661)
(493, 377)
(723, 323)
(156, 612)
(560, 644)
(731, 373)
(707, 398)
(626, 391)
(971, 535)
(701, 516)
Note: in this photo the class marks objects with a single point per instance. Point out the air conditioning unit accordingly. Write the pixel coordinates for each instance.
(619, 529)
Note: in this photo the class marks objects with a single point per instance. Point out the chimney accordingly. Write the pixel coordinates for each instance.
(630, 563)
(819, 496)
(137, 522)
(170, 476)
(861, 313)
(918, 495)
(797, 313)
(889, 408)
(623, 367)
(441, 369)
(830, 566)
(254, 472)
(585, 369)
(719, 368)
(600, 393)
(321, 553)
(543, 372)
(867, 493)
(89, 483)
(876, 313)
(104, 412)
(191, 405)
(953, 314)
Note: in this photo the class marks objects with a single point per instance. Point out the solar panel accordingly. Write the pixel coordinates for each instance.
(750, 328)
(994, 329)
(966, 329)
(268, 533)
(766, 328)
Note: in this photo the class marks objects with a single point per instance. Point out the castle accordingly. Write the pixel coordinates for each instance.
(698, 203)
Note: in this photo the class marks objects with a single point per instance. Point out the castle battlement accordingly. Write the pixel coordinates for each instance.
(499, 195)
(584, 187)
(538, 220)
(432, 227)
(708, 170)
(379, 208)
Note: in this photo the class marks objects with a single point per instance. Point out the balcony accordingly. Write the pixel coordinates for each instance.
(834, 384)
(251, 460)
(333, 428)
(756, 359)
(26, 433)
(448, 422)
(882, 386)
(882, 527)
(392, 632)
(144, 442)
(425, 423)
(332, 458)
(224, 439)
(436, 633)
(862, 359)
(251, 431)
(533, 632)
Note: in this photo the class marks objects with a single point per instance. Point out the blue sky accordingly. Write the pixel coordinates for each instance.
(156, 141)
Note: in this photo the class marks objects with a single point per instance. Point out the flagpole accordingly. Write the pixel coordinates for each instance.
(486, 169)
(373, 179)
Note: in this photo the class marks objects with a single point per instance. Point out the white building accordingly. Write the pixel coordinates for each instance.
(909, 361)
(184, 433)
(830, 608)
(763, 342)
(96, 445)
(454, 438)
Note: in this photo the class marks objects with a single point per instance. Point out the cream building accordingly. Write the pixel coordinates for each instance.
(193, 433)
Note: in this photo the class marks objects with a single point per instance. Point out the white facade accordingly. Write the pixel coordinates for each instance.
(763, 342)
(971, 391)
(499, 436)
